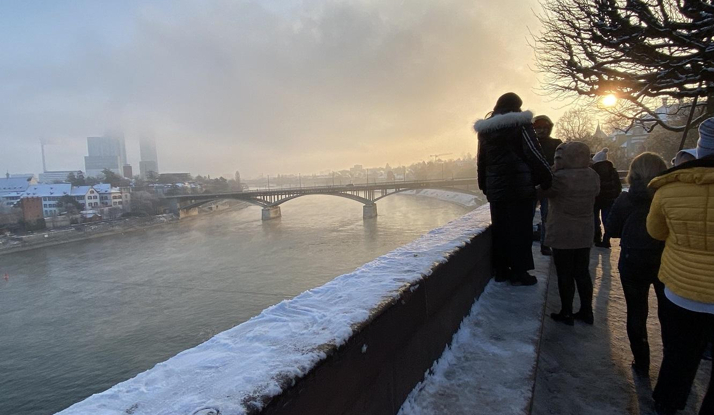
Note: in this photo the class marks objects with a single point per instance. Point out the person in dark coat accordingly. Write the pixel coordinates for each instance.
(610, 189)
(543, 126)
(510, 165)
(640, 254)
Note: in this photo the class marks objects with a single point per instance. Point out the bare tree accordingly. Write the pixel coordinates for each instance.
(641, 51)
(575, 124)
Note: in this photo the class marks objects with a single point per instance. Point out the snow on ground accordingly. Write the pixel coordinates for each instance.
(490, 366)
(234, 370)
(463, 199)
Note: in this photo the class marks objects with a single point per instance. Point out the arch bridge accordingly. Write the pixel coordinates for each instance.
(271, 199)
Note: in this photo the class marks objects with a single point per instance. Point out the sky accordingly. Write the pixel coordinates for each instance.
(259, 86)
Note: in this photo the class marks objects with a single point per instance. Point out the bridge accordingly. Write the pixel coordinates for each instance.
(271, 199)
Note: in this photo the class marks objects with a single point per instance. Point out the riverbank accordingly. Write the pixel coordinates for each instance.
(75, 233)
(12, 244)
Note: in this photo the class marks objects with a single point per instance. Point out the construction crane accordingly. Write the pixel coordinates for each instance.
(436, 156)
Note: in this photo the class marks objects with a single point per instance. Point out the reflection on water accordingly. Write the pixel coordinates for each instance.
(76, 319)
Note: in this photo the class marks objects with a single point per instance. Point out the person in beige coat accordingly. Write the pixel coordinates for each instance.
(570, 228)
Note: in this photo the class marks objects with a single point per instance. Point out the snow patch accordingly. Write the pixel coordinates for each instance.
(462, 199)
(491, 361)
(240, 369)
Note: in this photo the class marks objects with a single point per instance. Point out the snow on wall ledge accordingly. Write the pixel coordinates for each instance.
(265, 364)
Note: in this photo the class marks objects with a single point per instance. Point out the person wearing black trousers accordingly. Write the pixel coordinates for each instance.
(640, 255)
(610, 189)
(570, 228)
(510, 165)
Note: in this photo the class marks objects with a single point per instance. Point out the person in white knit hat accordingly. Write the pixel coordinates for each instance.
(610, 189)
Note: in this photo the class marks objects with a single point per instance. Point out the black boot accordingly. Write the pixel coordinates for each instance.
(563, 317)
(585, 316)
(502, 274)
(523, 279)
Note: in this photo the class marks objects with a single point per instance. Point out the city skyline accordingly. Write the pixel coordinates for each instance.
(259, 86)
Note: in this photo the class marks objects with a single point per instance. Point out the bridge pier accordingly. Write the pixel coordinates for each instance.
(369, 211)
(271, 212)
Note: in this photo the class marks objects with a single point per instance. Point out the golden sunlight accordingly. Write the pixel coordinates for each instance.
(609, 100)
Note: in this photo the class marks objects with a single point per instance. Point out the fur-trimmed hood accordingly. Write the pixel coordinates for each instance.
(497, 122)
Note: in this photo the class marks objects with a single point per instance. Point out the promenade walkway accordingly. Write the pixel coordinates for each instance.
(509, 357)
(586, 369)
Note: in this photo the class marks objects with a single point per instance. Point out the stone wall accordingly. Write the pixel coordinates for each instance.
(389, 354)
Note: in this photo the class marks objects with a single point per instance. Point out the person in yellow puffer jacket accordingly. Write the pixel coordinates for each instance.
(682, 215)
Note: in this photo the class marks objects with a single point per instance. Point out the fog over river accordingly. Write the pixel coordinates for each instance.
(75, 319)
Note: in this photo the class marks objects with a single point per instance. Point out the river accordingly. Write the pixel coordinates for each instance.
(75, 319)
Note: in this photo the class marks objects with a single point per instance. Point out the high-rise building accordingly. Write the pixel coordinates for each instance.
(108, 152)
(149, 164)
(127, 170)
(59, 176)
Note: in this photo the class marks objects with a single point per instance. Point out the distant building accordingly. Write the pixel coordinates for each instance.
(106, 152)
(149, 160)
(50, 177)
(174, 177)
(11, 188)
(50, 194)
(100, 196)
(31, 209)
(86, 196)
(13, 184)
(110, 196)
(148, 169)
(127, 171)
(29, 176)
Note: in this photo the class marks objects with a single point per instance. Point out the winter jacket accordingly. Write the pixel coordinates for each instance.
(682, 215)
(628, 221)
(610, 185)
(570, 221)
(549, 145)
(510, 161)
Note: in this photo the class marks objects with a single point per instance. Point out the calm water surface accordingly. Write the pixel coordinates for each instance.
(76, 319)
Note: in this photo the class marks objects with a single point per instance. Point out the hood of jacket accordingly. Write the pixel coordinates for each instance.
(497, 122)
(572, 155)
(699, 172)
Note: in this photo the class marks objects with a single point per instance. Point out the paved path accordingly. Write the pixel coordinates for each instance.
(585, 370)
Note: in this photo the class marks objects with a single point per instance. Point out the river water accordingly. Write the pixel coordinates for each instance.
(75, 319)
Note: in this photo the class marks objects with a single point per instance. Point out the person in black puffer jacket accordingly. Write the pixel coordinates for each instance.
(610, 189)
(640, 254)
(510, 165)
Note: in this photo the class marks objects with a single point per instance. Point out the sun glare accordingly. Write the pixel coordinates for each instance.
(609, 100)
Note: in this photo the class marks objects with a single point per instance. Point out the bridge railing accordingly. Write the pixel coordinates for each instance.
(347, 187)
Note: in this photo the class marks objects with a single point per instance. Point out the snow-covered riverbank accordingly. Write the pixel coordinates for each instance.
(462, 199)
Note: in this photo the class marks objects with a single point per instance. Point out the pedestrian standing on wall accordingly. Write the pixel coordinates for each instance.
(543, 127)
(510, 165)
(610, 189)
(570, 228)
(640, 254)
(682, 215)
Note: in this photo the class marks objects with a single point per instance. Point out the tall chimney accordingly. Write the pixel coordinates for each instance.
(42, 146)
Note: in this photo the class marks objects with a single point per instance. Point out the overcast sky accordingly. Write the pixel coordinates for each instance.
(259, 86)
